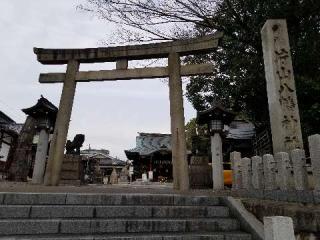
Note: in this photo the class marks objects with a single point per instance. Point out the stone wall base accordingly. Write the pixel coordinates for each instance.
(306, 218)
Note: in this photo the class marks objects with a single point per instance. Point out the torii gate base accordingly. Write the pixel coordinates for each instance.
(171, 50)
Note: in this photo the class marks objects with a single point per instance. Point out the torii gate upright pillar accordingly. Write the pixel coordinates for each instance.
(56, 152)
(178, 136)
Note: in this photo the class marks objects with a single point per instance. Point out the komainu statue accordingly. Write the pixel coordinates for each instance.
(74, 146)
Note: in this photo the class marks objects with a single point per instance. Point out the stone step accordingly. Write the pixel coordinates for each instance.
(101, 226)
(105, 199)
(162, 236)
(102, 211)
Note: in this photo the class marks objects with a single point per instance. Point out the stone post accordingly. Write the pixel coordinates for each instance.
(300, 173)
(278, 228)
(281, 90)
(257, 172)
(246, 173)
(270, 172)
(41, 157)
(235, 159)
(114, 177)
(179, 151)
(284, 169)
(217, 162)
(314, 148)
(56, 152)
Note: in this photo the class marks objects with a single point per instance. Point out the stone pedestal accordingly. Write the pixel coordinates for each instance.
(284, 170)
(235, 159)
(200, 173)
(246, 173)
(278, 228)
(257, 172)
(123, 179)
(217, 162)
(314, 148)
(270, 172)
(71, 170)
(281, 90)
(41, 157)
(300, 173)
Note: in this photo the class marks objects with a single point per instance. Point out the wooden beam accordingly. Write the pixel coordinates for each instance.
(127, 74)
(131, 52)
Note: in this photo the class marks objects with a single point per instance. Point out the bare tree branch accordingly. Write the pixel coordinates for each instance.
(155, 19)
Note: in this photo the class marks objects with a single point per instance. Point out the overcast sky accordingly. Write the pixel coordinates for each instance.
(109, 113)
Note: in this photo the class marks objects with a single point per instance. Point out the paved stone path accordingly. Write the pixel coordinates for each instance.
(93, 188)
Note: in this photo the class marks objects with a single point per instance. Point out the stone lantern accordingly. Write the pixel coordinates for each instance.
(216, 118)
(44, 112)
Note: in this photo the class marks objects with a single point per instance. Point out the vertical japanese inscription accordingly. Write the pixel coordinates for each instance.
(282, 99)
(287, 94)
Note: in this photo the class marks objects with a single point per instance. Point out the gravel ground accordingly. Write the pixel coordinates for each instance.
(154, 188)
(119, 188)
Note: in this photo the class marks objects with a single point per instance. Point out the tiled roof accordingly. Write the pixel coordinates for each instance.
(148, 143)
(5, 119)
(216, 111)
(240, 129)
(43, 106)
(91, 151)
(104, 159)
(112, 161)
(14, 127)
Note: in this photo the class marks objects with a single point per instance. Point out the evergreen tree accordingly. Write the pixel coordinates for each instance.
(238, 80)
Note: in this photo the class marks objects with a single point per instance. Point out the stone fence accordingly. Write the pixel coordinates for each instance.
(282, 176)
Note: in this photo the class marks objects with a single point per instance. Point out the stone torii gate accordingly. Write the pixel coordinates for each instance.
(121, 55)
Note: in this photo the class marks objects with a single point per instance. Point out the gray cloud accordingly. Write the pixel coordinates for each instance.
(109, 113)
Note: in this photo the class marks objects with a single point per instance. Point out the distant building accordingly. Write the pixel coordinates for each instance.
(90, 151)
(152, 153)
(240, 137)
(9, 132)
(98, 164)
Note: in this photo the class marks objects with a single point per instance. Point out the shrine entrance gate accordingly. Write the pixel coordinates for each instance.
(121, 55)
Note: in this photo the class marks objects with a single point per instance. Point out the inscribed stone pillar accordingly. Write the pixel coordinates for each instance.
(284, 169)
(235, 159)
(270, 172)
(179, 151)
(281, 90)
(217, 162)
(257, 172)
(246, 173)
(300, 173)
(56, 152)
(314, 149)
(278, 228)
(41, 157)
